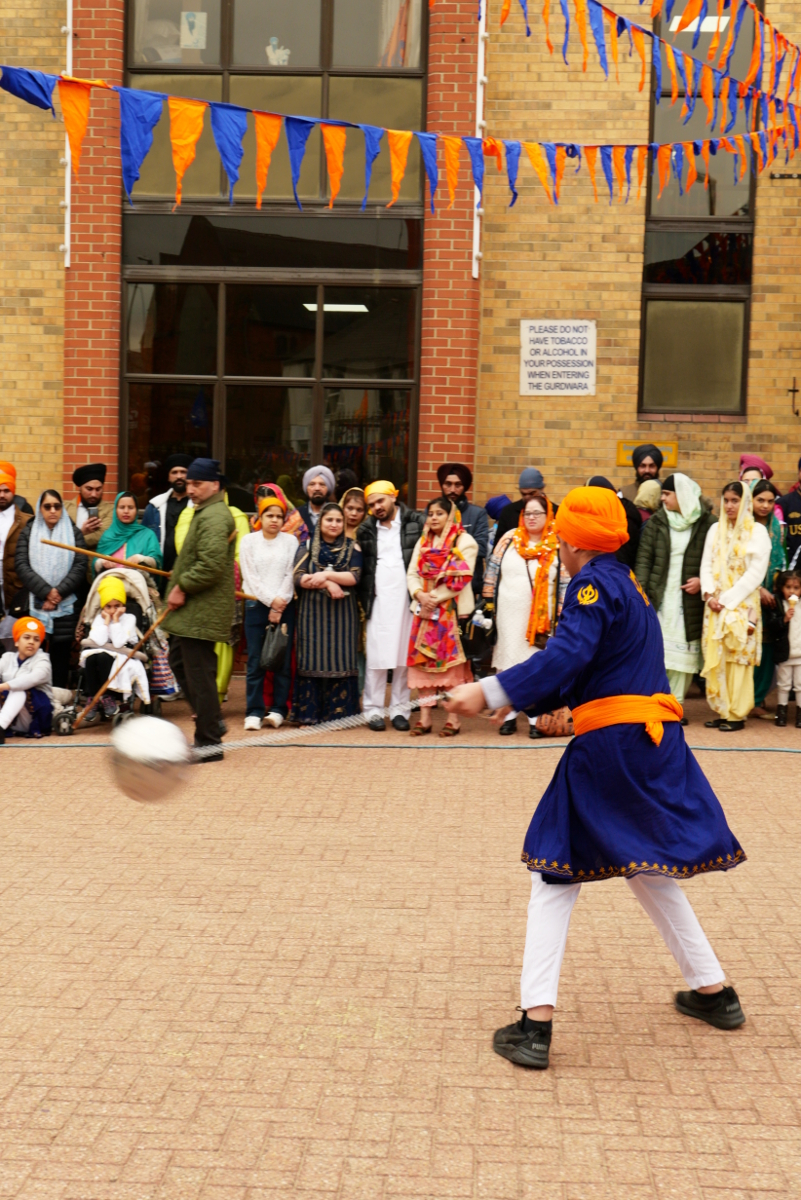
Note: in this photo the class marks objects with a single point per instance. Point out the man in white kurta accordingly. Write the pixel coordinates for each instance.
(390, 623)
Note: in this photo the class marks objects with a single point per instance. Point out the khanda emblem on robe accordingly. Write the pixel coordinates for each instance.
(588, 594)
(639, 587)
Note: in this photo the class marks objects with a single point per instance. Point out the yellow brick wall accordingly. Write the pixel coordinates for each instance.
(31, 266)
(582, 260)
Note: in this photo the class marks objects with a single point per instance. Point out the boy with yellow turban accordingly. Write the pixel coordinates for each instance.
(26, 693)
(112, 633)
(628, 797)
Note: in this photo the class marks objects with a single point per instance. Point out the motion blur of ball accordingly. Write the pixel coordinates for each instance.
(150, 758)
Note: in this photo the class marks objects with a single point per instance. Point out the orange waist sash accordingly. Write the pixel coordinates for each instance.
(628, 710)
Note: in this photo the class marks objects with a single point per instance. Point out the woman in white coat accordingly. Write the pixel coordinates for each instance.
(520, 592)
(735, 559)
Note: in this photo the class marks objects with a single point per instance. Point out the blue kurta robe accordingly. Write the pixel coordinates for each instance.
(617, 804)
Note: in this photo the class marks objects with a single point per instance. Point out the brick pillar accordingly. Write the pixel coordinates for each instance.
(450, 327)
(92, 286)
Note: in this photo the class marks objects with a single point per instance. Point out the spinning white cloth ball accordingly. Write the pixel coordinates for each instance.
(150, 758)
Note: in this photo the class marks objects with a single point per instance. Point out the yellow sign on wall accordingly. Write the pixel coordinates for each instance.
(670, 453)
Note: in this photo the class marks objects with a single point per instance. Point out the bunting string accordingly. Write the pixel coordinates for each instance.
(140, 112)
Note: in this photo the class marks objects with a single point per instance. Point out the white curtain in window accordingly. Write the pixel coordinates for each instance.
(399, 33)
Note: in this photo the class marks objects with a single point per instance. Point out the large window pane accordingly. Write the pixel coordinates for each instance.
(393, 103)
(693, 356)
(697, 257)
(723, 197)
(369, 333)
(368, 431)
(268, 436)
(740, 60)
(172, 328)
(272, 33)
(377, 33)
(164, 419)
(279, 94)
(157, 176)
(270, 330)
(259, 240)
(172, 31)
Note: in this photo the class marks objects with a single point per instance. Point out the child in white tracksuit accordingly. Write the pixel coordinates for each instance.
(26, 693)
(788, 674)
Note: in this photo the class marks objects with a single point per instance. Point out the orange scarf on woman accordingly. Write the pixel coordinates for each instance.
(544, 551)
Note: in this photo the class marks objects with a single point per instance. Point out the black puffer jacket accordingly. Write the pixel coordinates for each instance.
(653, 563)
(412, 523)
(68, 586)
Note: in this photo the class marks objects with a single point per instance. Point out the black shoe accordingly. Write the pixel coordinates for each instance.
(376, 724)
(685, 721)
(509, 727)
(533, 732)
(2, 737)
(781, 715)
(713, 724)
(526, 1043)
(721, 1009)
(798, 715)
(731, 726)
(109, 706)
(206, 754)
(223, 728)
(401, 724)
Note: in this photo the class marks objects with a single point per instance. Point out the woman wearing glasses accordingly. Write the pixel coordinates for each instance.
(52, 576)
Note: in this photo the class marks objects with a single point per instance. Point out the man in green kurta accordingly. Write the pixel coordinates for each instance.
(201, 600)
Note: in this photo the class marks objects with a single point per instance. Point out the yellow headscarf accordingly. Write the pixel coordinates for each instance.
(109, 588)
(381, 487)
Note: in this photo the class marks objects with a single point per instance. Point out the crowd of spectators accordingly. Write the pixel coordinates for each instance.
(349, 601)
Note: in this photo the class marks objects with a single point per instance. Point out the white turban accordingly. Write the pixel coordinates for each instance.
(314, 472)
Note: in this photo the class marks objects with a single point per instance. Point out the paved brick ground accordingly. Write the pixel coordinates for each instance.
(283, 984)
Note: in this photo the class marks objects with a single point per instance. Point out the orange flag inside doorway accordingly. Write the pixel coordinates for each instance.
(186, 126)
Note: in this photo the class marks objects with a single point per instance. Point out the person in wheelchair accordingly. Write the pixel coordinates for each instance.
(112, 633)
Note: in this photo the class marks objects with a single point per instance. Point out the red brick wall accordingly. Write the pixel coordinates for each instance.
(450, 330)
(92, 285)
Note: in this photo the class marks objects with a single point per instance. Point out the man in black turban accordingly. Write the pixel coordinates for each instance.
(647, 462)
(456, 479)
(90, 512)
(163, 511)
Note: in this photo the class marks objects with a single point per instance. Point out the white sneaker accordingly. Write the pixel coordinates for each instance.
(252, 724)
(275, 719)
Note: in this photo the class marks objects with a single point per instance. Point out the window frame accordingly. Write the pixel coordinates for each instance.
(734, 293)
(324, 72)
(318, 383)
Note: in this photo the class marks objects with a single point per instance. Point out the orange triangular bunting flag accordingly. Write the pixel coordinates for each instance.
(537, 160)
(74, 98)
(451, 146)
(591, 154)
(399, 141)
(334, 142)
(268, 130)
(690, 13)
(186, 126)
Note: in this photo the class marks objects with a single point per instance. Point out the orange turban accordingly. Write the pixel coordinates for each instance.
(592, 518)
(9, 480)
(27, 625)
(8, 468)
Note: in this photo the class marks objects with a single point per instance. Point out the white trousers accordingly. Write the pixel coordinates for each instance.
(549, 913)
(375, 690)
(14, 712)
(788, 675)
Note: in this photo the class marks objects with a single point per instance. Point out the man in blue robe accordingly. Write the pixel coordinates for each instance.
(628, 797)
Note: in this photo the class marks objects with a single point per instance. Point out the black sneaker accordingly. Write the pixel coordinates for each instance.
(376, 724)
(526, 1043)
(208, 754)
(401, 724)
(109, 706)
(721, 1009)
(508, 727)
(713, 724)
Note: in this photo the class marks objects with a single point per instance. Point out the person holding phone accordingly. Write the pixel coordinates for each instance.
(90, 512)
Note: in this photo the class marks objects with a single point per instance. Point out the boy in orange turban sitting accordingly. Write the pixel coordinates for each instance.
(628, 797)
(26, 693)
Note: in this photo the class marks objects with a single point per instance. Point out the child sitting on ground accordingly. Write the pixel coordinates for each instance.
(787, 644)
(26, 694)
(112, 630)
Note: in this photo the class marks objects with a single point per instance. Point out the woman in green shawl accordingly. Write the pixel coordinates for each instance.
(765, 496)
(127, 538)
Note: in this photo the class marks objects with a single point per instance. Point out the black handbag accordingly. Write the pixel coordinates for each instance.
(274, 648)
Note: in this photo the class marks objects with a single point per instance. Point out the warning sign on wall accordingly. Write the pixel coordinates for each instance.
(557, 358)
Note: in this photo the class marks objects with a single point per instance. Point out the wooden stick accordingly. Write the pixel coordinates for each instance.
(126, 562)
(95, 699)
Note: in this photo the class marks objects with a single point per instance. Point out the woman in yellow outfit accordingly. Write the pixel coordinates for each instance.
(735, 559)
(224, 650)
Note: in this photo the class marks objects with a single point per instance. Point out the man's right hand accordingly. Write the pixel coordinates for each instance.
(90, 525)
